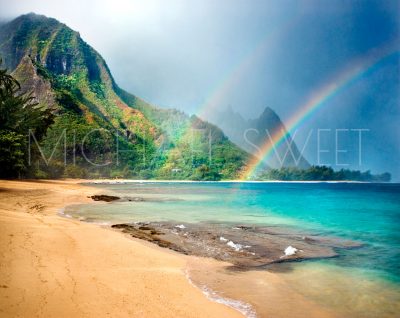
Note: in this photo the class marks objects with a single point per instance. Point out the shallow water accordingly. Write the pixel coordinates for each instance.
(363, 282)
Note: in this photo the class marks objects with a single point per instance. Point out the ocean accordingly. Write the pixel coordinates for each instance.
(365, 213)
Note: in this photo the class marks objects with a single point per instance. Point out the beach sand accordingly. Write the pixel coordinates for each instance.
(52, 266)
(57, 267)
(269, 293)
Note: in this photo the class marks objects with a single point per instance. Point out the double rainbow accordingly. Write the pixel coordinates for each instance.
(342, 81)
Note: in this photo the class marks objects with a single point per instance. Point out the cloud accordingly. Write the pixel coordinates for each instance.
(181, 53)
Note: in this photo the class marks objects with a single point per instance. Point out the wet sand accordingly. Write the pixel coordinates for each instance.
(260, 274)
(57, 267)
(267, 292)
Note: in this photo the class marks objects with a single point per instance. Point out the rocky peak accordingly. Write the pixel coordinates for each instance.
(31, 82)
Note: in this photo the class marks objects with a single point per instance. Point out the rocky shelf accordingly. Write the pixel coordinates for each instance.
(241, 245)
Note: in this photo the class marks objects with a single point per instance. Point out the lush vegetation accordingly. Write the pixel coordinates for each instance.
(86, 126)
(322, 173)
(99, 130)
(19, 115)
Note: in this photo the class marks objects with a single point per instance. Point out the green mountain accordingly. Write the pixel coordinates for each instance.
(100, 130)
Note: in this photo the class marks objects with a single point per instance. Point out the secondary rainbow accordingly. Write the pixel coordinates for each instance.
(232, 78)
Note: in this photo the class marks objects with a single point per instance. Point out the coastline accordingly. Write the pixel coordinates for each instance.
(55, 266)
(58, 267)
(120, 181)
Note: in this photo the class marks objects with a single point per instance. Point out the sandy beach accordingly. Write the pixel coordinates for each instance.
(52, 266)
(56, 267)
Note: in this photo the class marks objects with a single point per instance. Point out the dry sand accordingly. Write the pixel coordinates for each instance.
(57, 267)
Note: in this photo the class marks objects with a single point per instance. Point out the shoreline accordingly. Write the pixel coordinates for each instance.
(121, 181)
(57, 267)
(189, 281)
(243, 246)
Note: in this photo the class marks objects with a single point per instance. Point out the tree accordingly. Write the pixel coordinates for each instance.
(322, 173)
(19, 114)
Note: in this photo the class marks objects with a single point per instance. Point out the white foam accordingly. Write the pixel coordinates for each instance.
(236, 247)
(290, 250)
(242, 307)
(101, 223)
(62, 213)
(180, 226)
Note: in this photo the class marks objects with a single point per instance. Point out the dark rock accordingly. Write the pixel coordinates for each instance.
(145, 228)
(243, 227)
(104, 197)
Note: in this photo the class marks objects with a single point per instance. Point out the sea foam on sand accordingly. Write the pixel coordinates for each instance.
(242, 307)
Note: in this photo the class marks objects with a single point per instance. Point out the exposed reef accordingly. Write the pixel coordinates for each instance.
(241, 245)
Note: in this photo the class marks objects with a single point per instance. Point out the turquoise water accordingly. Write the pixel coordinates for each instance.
(367, 213)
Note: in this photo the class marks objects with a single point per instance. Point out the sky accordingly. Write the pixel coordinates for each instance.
(205, 55)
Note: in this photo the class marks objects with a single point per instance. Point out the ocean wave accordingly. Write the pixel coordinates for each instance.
(61, 212)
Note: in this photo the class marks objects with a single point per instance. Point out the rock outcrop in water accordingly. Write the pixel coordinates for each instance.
(242, 246)
(149, 234)
(104, 197)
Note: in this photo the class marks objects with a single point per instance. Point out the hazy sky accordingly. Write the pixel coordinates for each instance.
(252, 54)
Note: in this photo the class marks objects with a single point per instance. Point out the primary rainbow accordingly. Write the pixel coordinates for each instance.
(315, 101)
(233, 76)
(236, 73)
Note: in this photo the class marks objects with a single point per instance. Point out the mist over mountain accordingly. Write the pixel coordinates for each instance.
(255, 134)
(108, 131)
(67, 74)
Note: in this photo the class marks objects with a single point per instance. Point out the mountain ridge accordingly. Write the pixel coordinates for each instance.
(66, 73)
(252, 135)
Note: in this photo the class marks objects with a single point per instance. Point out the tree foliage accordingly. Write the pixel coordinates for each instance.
(143, 141)
(322, 173)
(19, 115)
